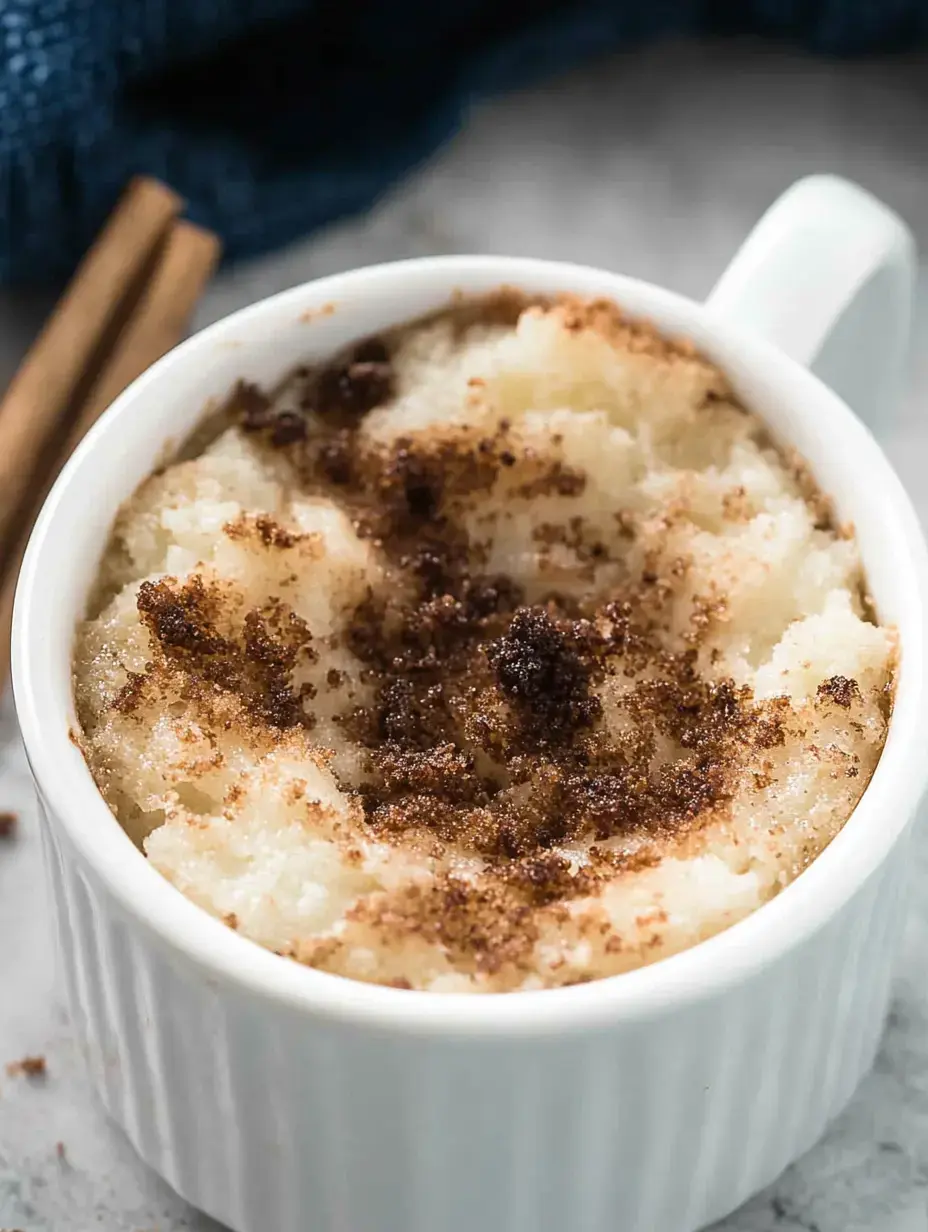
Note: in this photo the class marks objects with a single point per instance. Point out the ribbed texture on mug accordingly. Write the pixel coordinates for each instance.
(273, 1121)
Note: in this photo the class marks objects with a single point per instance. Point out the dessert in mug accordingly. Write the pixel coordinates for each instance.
(503, 651)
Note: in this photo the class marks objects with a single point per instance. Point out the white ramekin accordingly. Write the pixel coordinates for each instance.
(282, 1099)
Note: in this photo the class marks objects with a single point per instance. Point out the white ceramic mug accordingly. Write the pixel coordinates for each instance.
(283, 1099)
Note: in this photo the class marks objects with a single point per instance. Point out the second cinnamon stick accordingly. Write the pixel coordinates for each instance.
(161, 316)
(46, 382)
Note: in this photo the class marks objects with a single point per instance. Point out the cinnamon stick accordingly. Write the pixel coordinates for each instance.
(43, 387)
(158, 322)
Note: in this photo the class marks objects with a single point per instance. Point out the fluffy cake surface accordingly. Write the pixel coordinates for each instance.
(502, 652)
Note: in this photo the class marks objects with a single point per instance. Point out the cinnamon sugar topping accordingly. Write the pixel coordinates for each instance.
(499, 652)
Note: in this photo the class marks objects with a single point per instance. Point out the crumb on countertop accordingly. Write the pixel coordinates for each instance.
(29, 1067)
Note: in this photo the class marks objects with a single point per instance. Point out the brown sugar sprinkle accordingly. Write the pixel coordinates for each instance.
(254, 410)
(841, 691)
(503, 306)
(537, 667)
(556, 480)
(819, 502)
(250, 406)
(736, 505)
(29, 1067)
(268, 530)
(345, 391)
(8, 825)
(253, 662)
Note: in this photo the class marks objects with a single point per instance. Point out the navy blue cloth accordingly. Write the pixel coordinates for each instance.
(273, 117)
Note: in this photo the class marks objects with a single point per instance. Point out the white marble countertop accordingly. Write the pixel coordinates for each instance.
(654, 163)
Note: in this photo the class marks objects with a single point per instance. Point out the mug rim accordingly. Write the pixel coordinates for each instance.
(740, 951)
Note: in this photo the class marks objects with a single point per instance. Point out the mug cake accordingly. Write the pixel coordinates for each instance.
(502, 651)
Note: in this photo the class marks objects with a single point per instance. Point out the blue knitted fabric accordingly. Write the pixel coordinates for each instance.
(273, 117)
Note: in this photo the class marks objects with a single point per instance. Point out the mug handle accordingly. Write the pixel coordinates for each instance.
(828, 276)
